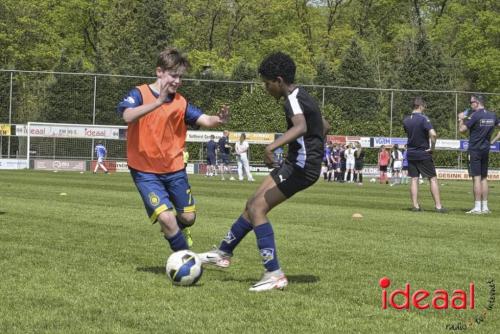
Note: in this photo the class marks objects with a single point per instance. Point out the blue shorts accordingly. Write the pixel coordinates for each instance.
(162, 192)
(478, 163)
(211, 160)
(225, 158)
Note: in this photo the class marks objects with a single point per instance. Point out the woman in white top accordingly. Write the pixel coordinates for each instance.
(349, 163)
(241, 149)
(397, 164)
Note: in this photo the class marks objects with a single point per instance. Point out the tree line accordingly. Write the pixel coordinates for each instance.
(409, 44)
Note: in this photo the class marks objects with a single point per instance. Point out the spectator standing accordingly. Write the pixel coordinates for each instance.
(211, 157)
(359, 163)
(349, 162)
(404, 169)
(420, 132)
(397, 164)
(383, 161)
(225, 152)
(241, 150)
(480, 123)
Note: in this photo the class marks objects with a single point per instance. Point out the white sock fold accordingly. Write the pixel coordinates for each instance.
(484, 205)
(477, 205)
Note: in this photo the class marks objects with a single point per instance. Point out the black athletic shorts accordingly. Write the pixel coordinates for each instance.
(358, 165)
(478, 163)
(290, 179)
(382, 168)
(421, 167)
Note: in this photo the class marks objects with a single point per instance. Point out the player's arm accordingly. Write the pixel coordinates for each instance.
(298, 129)
(462, 126)
(496, 138)
(212, 121)
(132, 114)
(432, 139)
(326, 126)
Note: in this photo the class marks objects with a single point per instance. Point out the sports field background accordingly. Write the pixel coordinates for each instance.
(90, 261)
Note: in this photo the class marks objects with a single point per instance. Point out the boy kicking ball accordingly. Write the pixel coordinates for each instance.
(301, 169)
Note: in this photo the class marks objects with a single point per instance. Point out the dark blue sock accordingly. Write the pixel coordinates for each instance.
(267, 246)
(238, 231)
(177, 242)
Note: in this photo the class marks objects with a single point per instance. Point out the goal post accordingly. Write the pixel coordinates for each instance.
(59, 146)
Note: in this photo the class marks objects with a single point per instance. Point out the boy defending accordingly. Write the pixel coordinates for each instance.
(157, 118)
(301, 169)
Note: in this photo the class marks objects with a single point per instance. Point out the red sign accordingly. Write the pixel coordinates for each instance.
(336, 139)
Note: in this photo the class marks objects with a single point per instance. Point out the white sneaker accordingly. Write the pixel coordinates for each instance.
(474, 212)
(216, 257)
(485, 211)
(271, 280)
(231, 178)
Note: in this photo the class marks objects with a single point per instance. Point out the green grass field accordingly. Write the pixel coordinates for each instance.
(90, 261)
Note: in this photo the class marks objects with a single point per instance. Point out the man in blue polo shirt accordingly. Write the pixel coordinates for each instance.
(225, 151)
(419, 129)
(211, 157)
(481, 124)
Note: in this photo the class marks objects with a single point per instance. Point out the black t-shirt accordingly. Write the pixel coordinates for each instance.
(417, 127)
(481, 125)
(306, 151)
(361, 157)
(222, 145)
(211, 148)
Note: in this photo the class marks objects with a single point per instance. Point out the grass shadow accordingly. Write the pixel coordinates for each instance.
(295, 279)
(152, 270)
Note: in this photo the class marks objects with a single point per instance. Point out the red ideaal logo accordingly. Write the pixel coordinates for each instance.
(440, 298)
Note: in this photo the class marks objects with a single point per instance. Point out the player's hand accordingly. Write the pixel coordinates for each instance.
(461, 116)
(163, 90)
(224, 114)
(269, 158)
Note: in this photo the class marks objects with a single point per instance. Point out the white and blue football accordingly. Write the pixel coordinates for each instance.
(184, 268)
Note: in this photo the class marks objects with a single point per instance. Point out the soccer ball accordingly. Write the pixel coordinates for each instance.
(184, 268)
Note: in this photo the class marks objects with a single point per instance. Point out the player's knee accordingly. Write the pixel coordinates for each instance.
(253, 208)
(167, 221)
(186, 218)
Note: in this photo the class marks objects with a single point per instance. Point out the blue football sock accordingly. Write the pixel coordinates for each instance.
(238, 231)
(181, 225)
(267, 246)
(177, 242)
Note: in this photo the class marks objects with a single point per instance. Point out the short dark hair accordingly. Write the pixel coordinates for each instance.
(171, 59)
(418, 101)
(276, 65)
(480, 98)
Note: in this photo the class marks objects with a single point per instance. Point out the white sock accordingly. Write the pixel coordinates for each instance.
(477, 205)
(484, 205)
